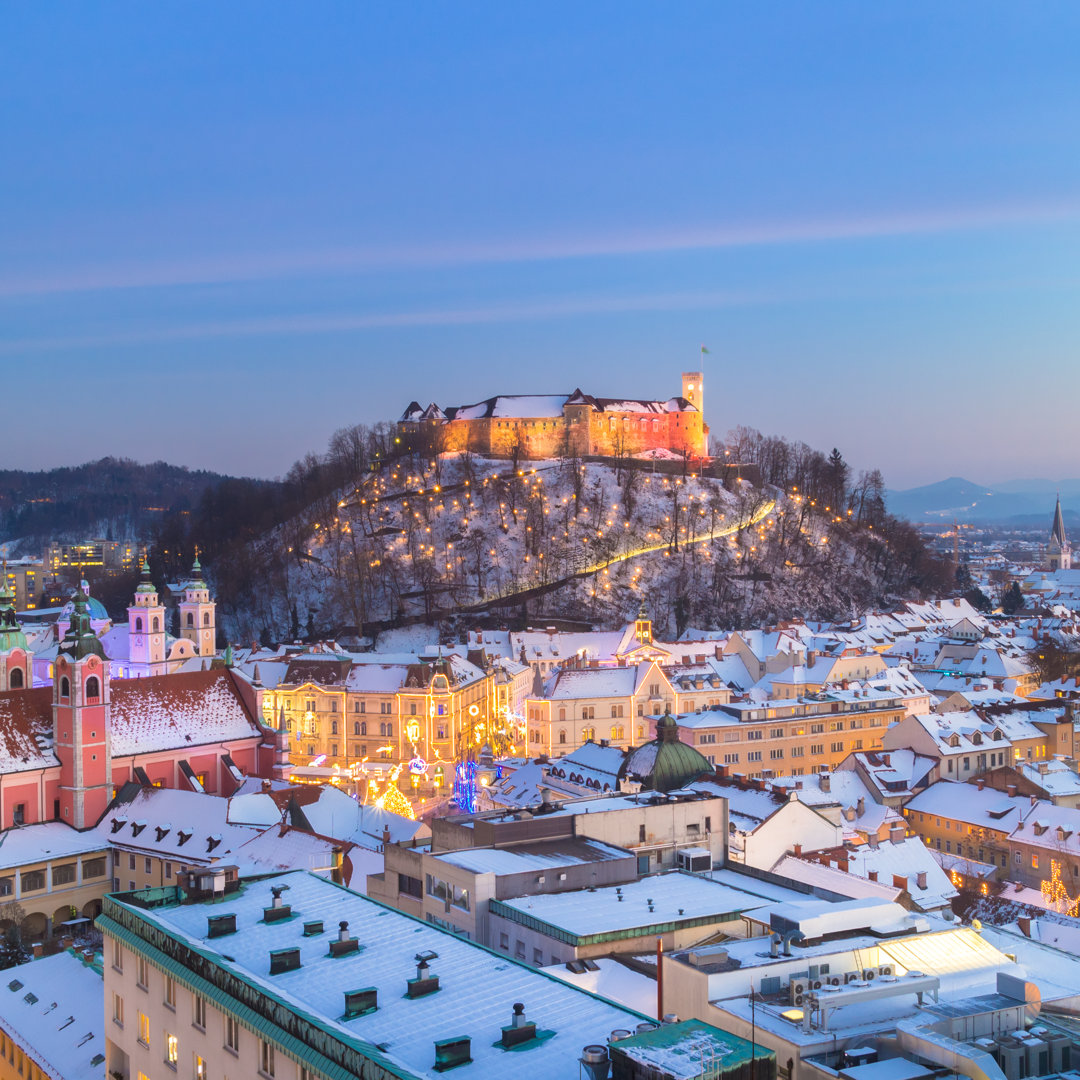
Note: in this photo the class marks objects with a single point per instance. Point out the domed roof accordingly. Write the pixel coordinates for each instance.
(95, 609)
(665, 763)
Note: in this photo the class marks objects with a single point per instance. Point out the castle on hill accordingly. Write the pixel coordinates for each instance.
(556, 425)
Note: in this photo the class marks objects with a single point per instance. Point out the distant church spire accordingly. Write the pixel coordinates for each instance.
(1058, 551)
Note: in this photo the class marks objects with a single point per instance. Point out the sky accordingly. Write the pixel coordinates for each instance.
(227, 230)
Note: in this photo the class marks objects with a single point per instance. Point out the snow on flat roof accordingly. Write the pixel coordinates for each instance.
(676, 897)
(478, 987)
(546, 855)
(52, 1008)
(48, 840)
(613, 981)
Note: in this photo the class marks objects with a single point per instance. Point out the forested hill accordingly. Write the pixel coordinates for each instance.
(113, 497)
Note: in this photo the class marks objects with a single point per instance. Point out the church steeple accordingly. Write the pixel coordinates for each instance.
(1058, 551)
(146, 628)
(14, 651)
(198, 613)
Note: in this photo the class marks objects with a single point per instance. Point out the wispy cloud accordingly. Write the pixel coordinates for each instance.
(224, 269)
(331, 324)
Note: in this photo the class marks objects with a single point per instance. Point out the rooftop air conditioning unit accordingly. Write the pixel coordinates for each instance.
(798, 992)
(869, 973)
(835, 980)
(850, 977)
(886, 969)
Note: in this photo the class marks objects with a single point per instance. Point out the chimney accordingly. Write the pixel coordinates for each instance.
(860, 807)
(842, 863)
(282, 960)
(872, 875)
(797, 851)
(899, 882)
(425, 983)
(980, 783)
(452, 1052)
(920, 879)
(1034, 800)
(1010, 790)
(277, 910)
(825, 781)
(897, 833)
(1024, 923)
(519, 1030)
(344, 944)
(361, 1002)
(887, 758)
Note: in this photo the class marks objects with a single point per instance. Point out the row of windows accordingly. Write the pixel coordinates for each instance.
(170, 1040)
(65, 874)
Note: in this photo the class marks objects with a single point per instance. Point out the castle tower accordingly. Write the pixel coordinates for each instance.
(198, 613)
(146, 628)
(1058, 550)
(81, 722)
(693, 390)
(15, 660)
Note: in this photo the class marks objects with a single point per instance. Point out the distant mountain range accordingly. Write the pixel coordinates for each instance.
(1012, 502)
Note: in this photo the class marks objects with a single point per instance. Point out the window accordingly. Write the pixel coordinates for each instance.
(776, 755)
(410, 886)
(118, 1009)
(588, 734)
(538, 957)
(333, 705)
(266, 1058)
(232, 1035)
(32, 880)
(117, 955)
(616, 732)
(199, 1012)
(144, 1029)
(65, 687)
(333, 725)
(131, 862)
(1034, 861)
(776, 733)
(200, 1068)
(148, 866)
(356, 728)
(504, 942)
(731, 759)
(93, 688)
(63, 875)
(142, 973)
(18, 815)
(817, 729)
(837, 747)
(754, 755)
(168, 871)
(170, 991)
(797, 751)
(172, 1050)
(93, 868)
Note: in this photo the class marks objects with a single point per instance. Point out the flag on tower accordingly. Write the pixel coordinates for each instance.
(704, 351)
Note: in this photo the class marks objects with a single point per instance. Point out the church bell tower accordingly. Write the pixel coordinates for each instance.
(81, 722)
(146, 628)
(198, 613)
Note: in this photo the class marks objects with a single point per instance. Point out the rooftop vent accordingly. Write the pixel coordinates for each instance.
(220, 925)
(449, 1053)
(313, 928)
(595, 1062)
(282, 960)
(344, 944)
(425, 982)
(278, 909)
(619, 1033)
(519, 1029)
(361, 1002)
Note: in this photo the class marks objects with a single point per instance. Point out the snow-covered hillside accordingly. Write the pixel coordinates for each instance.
(567, 538)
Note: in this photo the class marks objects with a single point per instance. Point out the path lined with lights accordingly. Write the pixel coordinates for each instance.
(664, 545)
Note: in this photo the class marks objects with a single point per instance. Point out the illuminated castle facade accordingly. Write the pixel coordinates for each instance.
(556, 425)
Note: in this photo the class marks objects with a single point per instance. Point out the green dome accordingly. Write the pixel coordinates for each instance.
(665, 763)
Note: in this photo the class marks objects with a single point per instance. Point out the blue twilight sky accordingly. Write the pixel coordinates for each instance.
(227, 229)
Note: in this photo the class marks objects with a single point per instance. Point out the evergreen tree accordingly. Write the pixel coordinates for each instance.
(964, 580)
(294, 625)
(1012, 600)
